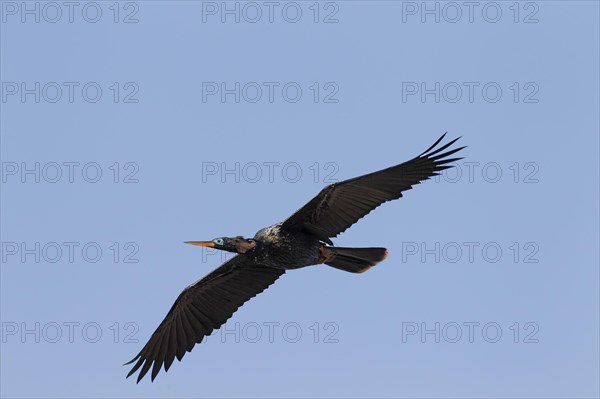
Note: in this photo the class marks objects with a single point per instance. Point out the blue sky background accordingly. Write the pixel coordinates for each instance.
(540, 293)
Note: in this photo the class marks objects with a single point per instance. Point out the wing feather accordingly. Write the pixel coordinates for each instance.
(340, 205)
(201, 308)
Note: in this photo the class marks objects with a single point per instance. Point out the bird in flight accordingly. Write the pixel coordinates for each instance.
(301, 240)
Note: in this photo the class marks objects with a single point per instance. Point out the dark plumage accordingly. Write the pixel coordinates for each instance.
(297, 242)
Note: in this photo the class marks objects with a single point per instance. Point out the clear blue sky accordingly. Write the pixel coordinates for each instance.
(491, 286)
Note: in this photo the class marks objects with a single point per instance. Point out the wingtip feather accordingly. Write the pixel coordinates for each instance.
(434, 144)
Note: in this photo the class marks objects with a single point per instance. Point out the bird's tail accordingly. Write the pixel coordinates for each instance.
(353, 260)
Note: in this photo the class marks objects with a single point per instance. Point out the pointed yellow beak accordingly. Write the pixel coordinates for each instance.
(201, 243)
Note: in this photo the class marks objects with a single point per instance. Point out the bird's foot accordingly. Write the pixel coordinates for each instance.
(326, 255)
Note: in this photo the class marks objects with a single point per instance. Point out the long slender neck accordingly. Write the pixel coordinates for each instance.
(242, 246)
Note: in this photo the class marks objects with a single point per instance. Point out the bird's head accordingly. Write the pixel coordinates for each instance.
(237, 244)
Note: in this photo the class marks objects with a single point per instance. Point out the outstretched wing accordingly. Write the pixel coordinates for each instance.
(340, 205)
(201, 308)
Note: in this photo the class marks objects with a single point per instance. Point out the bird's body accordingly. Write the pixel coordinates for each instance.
(280, 249)
(301, 240)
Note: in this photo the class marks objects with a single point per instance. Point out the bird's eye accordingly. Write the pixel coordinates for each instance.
(218, 241)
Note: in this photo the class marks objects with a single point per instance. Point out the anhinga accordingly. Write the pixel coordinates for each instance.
(301, 240)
